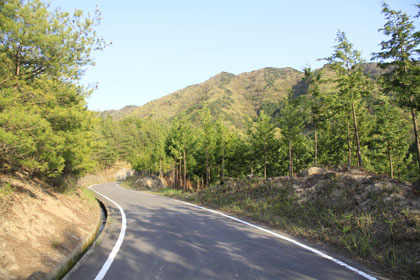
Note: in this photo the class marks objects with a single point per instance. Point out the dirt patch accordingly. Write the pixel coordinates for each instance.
(39, 227)
(120, 171)
(145, 182)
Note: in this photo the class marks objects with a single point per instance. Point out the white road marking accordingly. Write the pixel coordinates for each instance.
(313, 250)
(113, 254)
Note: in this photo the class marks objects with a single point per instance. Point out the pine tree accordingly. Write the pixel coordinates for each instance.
(262, 138)
(400, 56)
(207, 139)
(179, 143)
(106, 153)
(291, 122)
(223, 138)
(43, 55)
(315, 101)
(352, 82)
(389, 139)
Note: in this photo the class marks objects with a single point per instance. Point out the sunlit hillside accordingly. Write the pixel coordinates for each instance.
(235, 98)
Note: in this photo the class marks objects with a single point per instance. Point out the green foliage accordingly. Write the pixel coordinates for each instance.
(207, 142)
(351, 81)
(315, 100)
(106, 153)
(274, 122)
(400, 55)
(45, 128)
(388, 145)
(291, 120)
(262, 141)
(88, 196)
(6, 189)
(137, 141)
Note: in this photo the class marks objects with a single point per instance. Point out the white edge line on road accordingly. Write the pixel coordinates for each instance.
(315, 251)
(113, 254)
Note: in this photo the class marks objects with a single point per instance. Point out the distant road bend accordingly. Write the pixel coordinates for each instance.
(152, 237)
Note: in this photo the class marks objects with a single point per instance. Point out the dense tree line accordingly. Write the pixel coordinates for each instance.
(362, 123)
(46, 129)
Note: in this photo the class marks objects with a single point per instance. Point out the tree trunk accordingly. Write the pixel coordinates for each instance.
(207, 167)
(348, 145)
(391, 167)
(222, 166)
(175, 174)
(290, 160)
(356, 134)
(18, 61)
(265, 161)
(160, 168)
(315, 144)
(185, 170)
(416, 135)
(180, 184)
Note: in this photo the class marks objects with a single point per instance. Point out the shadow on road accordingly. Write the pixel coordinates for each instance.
(168, 240)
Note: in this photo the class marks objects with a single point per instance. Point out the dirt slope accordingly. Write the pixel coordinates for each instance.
(39, 227)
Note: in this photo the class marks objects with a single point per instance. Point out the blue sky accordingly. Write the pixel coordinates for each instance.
(161, 46)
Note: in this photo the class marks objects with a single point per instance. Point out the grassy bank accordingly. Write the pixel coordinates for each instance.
(371, 218)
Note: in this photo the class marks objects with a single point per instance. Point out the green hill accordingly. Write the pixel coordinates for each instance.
(233, 97)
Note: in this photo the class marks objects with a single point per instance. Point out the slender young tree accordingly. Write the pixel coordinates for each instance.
(262, 137)
(173, 150)
(223, 138)
(400, 56)
(207, 138)
(179, 143)
(315, 102)
(291, 122)
(390, 135)
(352, 82)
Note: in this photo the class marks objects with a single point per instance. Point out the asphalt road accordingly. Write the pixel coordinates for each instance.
(168, 239)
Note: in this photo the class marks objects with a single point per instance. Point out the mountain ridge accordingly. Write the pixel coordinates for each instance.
(235, 98)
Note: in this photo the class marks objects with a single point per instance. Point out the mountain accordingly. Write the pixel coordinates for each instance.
(119, 114)
(233, 97)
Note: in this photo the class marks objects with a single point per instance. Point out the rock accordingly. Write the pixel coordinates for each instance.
(149, 182)
(312, 171)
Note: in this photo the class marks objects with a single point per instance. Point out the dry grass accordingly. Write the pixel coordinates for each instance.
(373, 219)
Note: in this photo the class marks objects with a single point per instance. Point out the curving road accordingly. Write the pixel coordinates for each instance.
(169, 239)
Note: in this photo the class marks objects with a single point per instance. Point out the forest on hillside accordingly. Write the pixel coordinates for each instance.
(344, 118)
(339, 116)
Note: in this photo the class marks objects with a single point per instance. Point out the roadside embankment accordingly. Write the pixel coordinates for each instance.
(120, 171)
(42, 230)
(365, 216)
